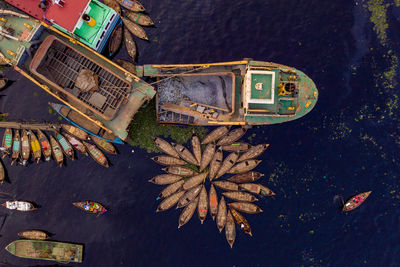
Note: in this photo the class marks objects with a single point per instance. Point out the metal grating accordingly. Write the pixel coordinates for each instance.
(62, 65)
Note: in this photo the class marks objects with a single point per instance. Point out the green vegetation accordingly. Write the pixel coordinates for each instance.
(379, 18)
(144, 127)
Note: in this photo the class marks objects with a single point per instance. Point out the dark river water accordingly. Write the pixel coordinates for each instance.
(348, 144)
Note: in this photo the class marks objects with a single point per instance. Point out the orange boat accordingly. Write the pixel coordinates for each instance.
(356, 201)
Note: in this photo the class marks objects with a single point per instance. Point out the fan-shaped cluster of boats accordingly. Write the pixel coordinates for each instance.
(187, 171)
(133, 19)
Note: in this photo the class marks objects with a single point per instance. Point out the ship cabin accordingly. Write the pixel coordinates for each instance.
(88, 21)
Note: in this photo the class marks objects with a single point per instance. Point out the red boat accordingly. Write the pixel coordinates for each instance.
(355, 201)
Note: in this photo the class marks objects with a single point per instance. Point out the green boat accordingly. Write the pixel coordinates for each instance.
(54, 62)
(46, 250)
(243, 92)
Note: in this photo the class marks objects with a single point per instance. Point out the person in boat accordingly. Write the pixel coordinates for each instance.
(242, 226)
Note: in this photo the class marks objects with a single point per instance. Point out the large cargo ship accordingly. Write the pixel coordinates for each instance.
(46, 250)
(54, 63)
(243, 92)
(88, 21)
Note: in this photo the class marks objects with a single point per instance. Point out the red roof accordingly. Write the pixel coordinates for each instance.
(66, 16)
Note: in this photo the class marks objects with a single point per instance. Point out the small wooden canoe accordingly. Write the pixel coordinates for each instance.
(179, 170)
(168, 160)
(16, 149)
(129, 66)
(76, 144)
(165, 147)
(221, 214)
(237, 147)
(56, 151)
(257, 189)
(130, 45)
(227, 164)
(135, 29)
(35, 146)
(226, 185)
(194, 181)
(246, 177)
(247, 207)
(104, 145)
(90, 206)
(96, 154)
(202, 207)
(75, 131)
(45, 145)
(188, 212)
(3, 82)
(230, 229)
(65, 145)
(215, 134)
(115, 40)
(189, 196)
(25, 148)
(185, 154)
(2, 173)
(207, 156)
(164, 179)
(139, 18)
(170, 189)
(244, 166)
(196, 147)
(355, 201)
(231, 137)
(240, 196)
(241, 222)
(7, 142)
(253, 152)
(213, 202)
(215, 164)
(34, 235)
(132, 5)
(114, 5)
(19, 205)
(170, 201)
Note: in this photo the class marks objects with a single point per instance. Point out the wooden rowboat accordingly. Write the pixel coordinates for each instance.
(114, 5)
(179, 170)
(132, 5)
(185, 154)
(207, 156)
(237, 147)
(165, 147)
(230, 229)
(96, 154)
(115, 40)
(16, 149)
(75, 131)
(227, 164)
(76, 144)
(35, 146)
(196, 147)
(355, 201)
(45, 145)
(168, 160)
(170, 201)
(246, 177)
(188, 212)
(232, 137)
(56, 151)
(65, 145)
(90, 206)
(202, 207)
(213, 201)
(135, 29)
(139, 18)
(19, 205)
(215, 163)
(253, 152)
(33, 234)
(2, 173)
(7, 142)
(130, 45)
(25, 147)
(215, 134)
(241, 222)
(104, 145)
(221, 214)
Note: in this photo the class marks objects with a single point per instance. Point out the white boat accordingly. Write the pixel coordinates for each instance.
(18, 205)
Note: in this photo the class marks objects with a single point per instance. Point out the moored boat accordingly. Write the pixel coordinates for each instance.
(232, 136)
(165, 147)
(90, 206)
(244, 166)
(34, 235)
(189, 196)
(2, 173)
(75, 131)
(355, 201)
(227, 164)
(3, 82)
(163, 179)
(246, 177)
(185, 154)
(25, 148)
(35, 146)
(7, 142)
(257, 189)
(241, 222)
(247, 207)
(114, 5)
(215, 163)
(104, 145)
(19, 205)
(46, 250)
(202, 207)
(170, 201)
(180, 170)
(237, 147)
(194, 180)
(253, 152)
(213, 202)
(215, 134)
(56, 151)
(75, 143)
(65, 145)
(170, 189)
(135, 29)
(188, 212)
(240, 196)
(16, 148)
(132, 5)
(226, 185)
(230, 230)
(196, 147)
(45, 145)
(139, 18)
(221, 214)
(96, 154)
(207, 156)
(116, 40)
(130, 46)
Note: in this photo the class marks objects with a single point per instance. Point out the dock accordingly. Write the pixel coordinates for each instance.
(30, 125)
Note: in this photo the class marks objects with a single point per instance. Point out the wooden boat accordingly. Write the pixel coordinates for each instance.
(34, 234)
(16, 149)
(202, 208)
(75, 143)
(75, 131)
(3, 82)
(244, 166)
(114, 5)
(65, 145)
(139, 18)
(189, 196)
(355, 201)
(215, 134)
(45, 145)
(185, 154)
(188, 212)
(90, 206)
(104, 145)
(132, 5)
(194, 181)
(213, 202)
(25, 148)
(196, 147)
(226, 185)
(96, 154)
(257, 189)
(240, 196)
(170, 189)
(254, 152)
(163, 179)
(246, 177)
(170, 201)
(207, 156)
(135, 29)
(168, 160)
(237, 147)
(232, 136)
(35, 146)
(165, 147)
(130, 45)
(7, 142)
(56, 151)
(215, 163)
(247, 207)
(221, 214)
(116, 40)
(180, 170)
(18, 205)
(227, 164)
(2, 173)
(230, 230)
(241, 222)
(129, 66)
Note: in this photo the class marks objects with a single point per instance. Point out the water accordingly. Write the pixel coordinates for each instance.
(344, 146)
